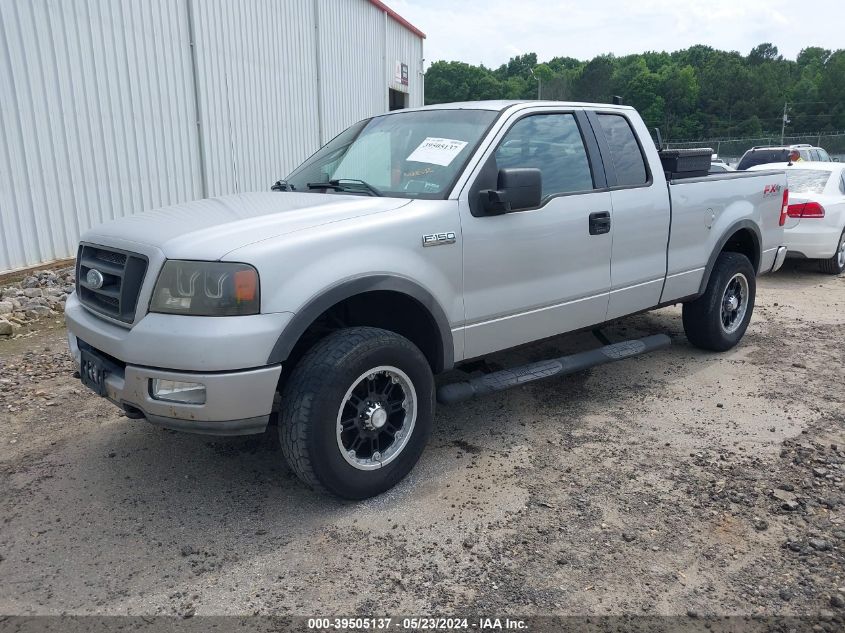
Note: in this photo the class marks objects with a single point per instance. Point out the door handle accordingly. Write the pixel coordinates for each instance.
(600, 223)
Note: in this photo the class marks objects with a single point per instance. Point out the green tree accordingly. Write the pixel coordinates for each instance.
(832, 89)
(679, 89)
(719, 92)
(519, 66)
(561, 65)
(595, 83)
(813, 56)
(695, 92)
(765, 52)
(457, 81)
(641, 88)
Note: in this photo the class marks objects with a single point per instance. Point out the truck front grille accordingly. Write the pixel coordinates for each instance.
(122, 275)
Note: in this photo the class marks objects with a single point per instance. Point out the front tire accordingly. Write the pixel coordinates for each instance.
(357, 412)
(836, 264)
(717, 320)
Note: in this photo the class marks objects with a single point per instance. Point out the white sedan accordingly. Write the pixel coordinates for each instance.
(815, 223)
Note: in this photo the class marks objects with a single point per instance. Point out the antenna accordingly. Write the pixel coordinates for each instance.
(617, 100)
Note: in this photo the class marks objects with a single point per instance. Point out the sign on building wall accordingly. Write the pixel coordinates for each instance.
(400, 74)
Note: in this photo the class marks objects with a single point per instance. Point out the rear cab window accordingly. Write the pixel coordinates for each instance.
(625, 152)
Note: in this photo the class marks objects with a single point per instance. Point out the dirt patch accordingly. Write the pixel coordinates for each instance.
(679, 482)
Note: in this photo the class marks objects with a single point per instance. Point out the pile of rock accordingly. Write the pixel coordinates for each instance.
(39, 295)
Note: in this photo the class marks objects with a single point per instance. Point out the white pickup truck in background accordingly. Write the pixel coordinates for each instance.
(410, 243)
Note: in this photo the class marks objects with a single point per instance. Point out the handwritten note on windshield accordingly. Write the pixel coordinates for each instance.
(437, 151)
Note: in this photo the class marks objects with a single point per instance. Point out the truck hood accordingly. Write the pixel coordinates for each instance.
(208, 229)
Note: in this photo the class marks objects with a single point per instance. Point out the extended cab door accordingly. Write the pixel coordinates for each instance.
(641, 212)
(543, 271)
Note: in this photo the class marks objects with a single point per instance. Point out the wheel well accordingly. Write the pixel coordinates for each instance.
(386, 309)
(745, 242)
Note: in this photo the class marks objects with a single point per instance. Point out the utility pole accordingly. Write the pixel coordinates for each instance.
(783, 124)
(538, 82)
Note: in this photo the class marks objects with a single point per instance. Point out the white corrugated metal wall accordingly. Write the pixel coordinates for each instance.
(100, 102)
(367, 59)
(96, 106)
(345, 59)
(258, 94)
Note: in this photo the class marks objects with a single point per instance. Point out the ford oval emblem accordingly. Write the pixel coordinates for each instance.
(94, 279)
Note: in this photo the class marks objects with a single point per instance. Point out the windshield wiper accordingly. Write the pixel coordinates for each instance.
(342, 184)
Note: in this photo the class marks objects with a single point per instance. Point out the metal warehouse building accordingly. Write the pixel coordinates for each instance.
(111, 107)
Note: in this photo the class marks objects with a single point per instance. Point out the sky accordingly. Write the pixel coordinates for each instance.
(493, 31)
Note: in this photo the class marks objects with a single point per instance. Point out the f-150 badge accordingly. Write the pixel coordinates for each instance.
(439, 239)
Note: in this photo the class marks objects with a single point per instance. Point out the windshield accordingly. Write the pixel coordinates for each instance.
(807, 180)
(408, 155)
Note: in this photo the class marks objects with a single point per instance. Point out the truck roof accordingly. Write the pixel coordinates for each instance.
(500, 105)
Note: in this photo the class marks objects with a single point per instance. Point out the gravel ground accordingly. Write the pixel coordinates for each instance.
(37, 296)
(677, 483)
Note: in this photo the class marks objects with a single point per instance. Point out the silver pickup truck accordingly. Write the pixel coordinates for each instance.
(410, 243)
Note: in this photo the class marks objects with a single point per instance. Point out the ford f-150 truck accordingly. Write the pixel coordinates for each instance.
(412, 242)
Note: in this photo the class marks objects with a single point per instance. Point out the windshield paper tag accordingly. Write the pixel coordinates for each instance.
(437, 151)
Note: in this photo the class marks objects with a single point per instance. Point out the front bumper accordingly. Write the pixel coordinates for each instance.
(228, 355)
(237, 403)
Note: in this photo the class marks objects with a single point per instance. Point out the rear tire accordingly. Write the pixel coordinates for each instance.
(836, 264)
(717, 320)
(357, 412)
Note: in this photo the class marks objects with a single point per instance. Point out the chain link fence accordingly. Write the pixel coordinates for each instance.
(732, 149)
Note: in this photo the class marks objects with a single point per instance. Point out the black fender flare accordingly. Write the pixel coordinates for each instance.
(728, 234)
(347, 288)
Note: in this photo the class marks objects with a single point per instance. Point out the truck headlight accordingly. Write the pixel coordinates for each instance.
(206, 289)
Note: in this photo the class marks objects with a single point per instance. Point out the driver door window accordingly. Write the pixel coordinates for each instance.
(551, 143)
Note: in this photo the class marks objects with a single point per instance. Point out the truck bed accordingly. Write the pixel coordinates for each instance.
(708, 207)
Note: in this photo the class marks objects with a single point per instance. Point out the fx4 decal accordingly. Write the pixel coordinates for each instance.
(771, 190)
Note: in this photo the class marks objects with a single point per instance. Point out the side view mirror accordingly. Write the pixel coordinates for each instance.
(516, 189)
(281, 185)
